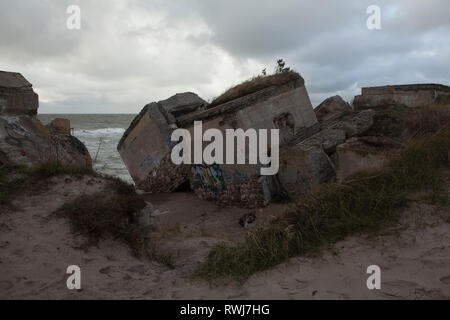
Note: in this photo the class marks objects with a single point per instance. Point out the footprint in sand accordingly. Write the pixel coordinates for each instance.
(142, 270)
(111, 271)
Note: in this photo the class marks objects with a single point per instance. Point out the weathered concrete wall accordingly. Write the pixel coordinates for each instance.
(410, 95)
(304, 169)
(145, 147)
(291, 112)
(363, 154)
(286, 108)
(17, 95)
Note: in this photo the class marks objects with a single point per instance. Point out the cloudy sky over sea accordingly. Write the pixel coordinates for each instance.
(131, 52)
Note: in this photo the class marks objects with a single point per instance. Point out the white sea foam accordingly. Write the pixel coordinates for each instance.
(100, 132)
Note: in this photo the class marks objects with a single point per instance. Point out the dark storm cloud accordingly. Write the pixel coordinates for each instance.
(329, 43)
(130, 52)
(266, 28)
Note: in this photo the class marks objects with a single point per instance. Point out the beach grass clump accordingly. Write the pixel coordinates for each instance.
(366, 204)
(113, 212)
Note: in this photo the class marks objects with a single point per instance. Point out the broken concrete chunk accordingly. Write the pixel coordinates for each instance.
(363, 154)
(16, 95)
(332, 109)
(24, 140)
(59, 126)
(182, 104)
(303, 169)
(356, 124)
(328, 139)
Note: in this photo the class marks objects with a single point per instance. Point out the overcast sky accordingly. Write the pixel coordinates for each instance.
(132, 52)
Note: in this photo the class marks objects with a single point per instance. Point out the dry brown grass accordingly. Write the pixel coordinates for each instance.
(117, 213)
(367, 204)
(113, 212)
(14, 179)
(255, 84)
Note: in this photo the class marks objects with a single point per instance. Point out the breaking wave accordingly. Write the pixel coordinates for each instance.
(100, 132)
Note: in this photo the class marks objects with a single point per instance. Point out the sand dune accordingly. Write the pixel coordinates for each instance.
(36, 248)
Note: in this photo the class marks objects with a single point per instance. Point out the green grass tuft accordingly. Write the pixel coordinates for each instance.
(367, 203)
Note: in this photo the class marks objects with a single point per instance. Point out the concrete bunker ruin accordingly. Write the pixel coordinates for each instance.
(411, 95)
(313, 149)
(146, 145)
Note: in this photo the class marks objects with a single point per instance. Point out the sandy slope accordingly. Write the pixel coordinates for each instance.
(36, 248)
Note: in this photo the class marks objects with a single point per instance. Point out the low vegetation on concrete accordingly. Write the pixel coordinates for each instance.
(367, 203)
(255, 84)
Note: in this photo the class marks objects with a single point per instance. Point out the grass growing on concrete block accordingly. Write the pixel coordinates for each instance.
(255, 84)
(367, 203)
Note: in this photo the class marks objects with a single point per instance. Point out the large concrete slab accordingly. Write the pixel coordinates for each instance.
(145, 147)
(285, 107)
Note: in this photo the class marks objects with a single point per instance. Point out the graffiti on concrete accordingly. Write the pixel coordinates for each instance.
(209, 177)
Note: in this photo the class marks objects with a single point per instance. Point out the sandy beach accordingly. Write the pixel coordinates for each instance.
(36, 248)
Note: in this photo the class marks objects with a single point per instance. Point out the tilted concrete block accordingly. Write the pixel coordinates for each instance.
(145, 147)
